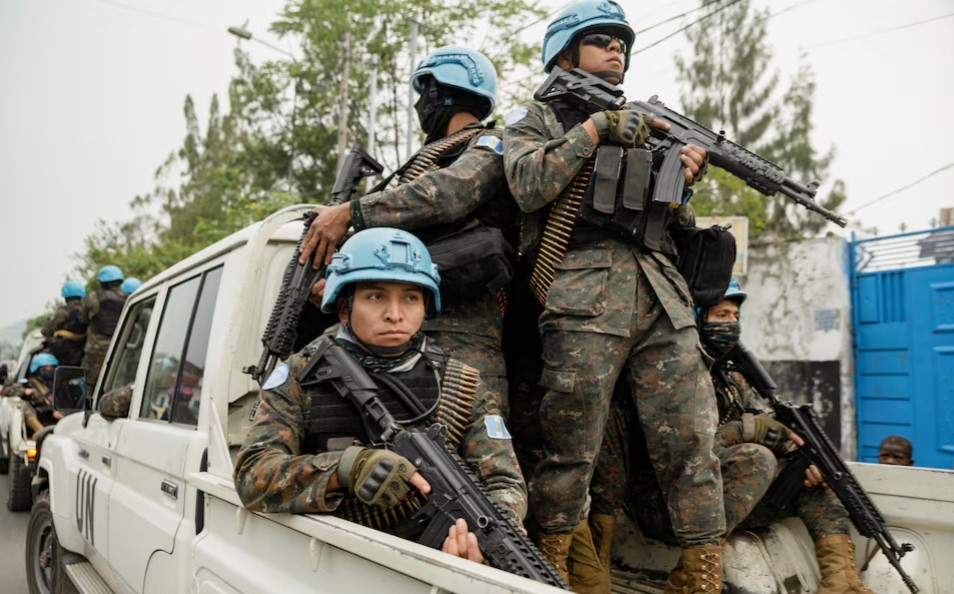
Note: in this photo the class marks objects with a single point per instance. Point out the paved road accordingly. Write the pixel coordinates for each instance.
(13, 526)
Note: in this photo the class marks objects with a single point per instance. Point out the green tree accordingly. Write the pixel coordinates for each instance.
(276, 145)
(729, 83)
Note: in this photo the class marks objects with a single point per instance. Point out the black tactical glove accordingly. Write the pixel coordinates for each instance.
(624, 127)
(375, 477)
(763, 429)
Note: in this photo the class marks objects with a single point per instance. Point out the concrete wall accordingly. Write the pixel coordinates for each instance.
(797, 319)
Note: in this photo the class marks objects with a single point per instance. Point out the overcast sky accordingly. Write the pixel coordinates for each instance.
(92, 95)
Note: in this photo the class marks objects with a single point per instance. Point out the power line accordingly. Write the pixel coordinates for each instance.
(704, 17)
(901, 189)
(158, 15)
(671, 19)
(880, 32)
(681, 29)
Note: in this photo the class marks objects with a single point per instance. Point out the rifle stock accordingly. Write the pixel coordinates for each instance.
(282, 328)
(819, 450)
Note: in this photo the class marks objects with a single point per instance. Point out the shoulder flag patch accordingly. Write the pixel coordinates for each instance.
(495, 427)
(277, 378)
(516, 114)
(492, 142)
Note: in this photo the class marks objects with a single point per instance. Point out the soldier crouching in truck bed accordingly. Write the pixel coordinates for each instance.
(749, 444)
(306, 451)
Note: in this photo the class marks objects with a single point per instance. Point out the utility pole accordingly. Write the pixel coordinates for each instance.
(412, 51)
(373, 116)
(343, 99)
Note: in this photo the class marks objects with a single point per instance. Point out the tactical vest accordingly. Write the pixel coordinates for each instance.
(728, 396)
(75, 320)
(445, 385)
(474, 256)
(618, 198)
(610, 197)
(110, 308)
(67, 342)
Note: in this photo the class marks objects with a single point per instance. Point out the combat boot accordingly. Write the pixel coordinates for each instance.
(556, 548)
(699, 571)
(587, 574)
(836, 559)
(602, 526)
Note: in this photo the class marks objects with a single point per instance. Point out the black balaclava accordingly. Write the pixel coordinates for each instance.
(439, 103)
(46, 375)
(720, 337)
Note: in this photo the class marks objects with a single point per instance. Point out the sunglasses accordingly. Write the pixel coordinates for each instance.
(603, 40)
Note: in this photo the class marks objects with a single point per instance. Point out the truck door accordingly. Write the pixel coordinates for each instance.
(91, 480)
(148, 502)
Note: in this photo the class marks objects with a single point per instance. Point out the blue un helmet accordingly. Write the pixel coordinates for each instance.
(462, 68)
(72, 288)
(42, 360)
(588, 14)
(381, 254)
(109, 273)
(735, 292)
(130, 285)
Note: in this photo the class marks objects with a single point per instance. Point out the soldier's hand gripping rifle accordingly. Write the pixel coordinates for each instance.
(455, 491)
(282, 328)
(818, 450)
(592, 93)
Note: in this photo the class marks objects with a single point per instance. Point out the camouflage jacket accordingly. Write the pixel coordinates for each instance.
(540, 160)
(58, 321)
(470, 184)
(735, 396)
(115, 403)
(273, 474)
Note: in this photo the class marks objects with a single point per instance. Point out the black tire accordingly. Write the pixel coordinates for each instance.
(19, 498)
(5, 460)
(44, 555)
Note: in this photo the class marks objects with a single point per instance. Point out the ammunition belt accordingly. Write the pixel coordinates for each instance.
(558, 230)
(424, 162)
(456, 404)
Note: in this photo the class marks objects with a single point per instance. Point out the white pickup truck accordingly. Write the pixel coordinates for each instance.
(17, 449)
(146, 503)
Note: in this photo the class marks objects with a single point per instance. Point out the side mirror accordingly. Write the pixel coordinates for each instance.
(69, 389)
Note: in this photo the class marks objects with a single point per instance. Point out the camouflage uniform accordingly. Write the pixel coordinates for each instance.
(611, 310)
(115, 403)
(38, 407)
(104, 308)
(624, 479)
(65, 332)
(469, 184)
(274, 473)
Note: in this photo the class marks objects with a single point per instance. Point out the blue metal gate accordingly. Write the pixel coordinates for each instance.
(903, 317)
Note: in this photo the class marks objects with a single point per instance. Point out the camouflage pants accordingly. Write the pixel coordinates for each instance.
(624, 480)
(93, 356)
(472, 333)
(674, 399)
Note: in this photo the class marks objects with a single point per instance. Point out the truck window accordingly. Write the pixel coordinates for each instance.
(176, 367)
(129, 348)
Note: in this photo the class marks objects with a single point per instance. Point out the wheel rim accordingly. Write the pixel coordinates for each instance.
(43, 555)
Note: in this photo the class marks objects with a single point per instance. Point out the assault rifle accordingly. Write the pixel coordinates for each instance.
(818, 450)
(282, 327)
(455, 491)
(591, 93)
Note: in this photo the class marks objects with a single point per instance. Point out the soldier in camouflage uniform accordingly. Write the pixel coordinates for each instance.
(65, 331)
(454, 181)
(306, 451)
(103, 308)
(614, 302)
(748, 444)
(37, 394)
